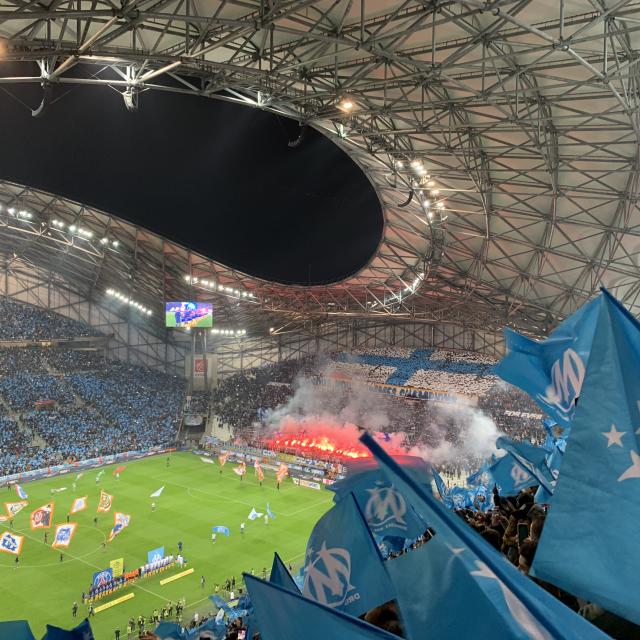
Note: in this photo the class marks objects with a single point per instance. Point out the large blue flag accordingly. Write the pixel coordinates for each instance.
(385, 509)
(284, 615)
(343, 568)
(552, 371)
(589, 545)
(81, 632)
(512, 600)
(16, 630)
(281, 576)
(510, 476)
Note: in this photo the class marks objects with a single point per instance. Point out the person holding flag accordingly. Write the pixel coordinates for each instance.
(259, 472)
(241, 469)
(222, 459)
(281, 474)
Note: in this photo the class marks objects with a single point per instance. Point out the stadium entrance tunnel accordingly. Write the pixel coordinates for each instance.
(242, 186)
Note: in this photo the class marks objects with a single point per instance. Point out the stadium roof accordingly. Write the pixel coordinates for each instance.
(523, 113)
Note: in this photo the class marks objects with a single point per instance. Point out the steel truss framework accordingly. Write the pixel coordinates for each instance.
(523, 112)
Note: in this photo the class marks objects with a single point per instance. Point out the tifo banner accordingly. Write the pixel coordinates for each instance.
(79, 504)
(42, 517)
(155, 555)
(105, 503)
(63, 535)
(11, 543)
(117, 566)
(14, 508)
(121, 521)
(102, 577)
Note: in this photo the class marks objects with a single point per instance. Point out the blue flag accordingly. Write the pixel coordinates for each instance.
(447, 500)
(554, 461)
(589, 545)
(81, 632)
(284, 615)
(16, 630)
(510, 476)
(155, 555)
(384, 509)
(343, 568)
(220, 529)
(552, 371)
(272, 516)
(281, 576)
(481, 476)
(531, 458)
(510, 599)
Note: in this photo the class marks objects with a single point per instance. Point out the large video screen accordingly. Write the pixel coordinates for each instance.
(189, 314)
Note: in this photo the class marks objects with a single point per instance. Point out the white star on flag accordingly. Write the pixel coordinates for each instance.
(613, 436)
(634, 470)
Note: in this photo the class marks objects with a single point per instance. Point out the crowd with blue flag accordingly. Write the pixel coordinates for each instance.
(541, 543)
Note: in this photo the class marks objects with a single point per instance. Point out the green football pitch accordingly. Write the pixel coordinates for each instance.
(196, 496)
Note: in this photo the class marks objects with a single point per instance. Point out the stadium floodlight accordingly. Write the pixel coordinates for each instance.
(435, 192)
(115, 244)
(440, 205)
(346, 104)
(187, 278)
(430, 214)
(416, 164)
(12, 211)
(399, 164)
(431, 183)
(73, 228)
(426, 203)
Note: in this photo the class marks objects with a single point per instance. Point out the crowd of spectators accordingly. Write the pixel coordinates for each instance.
(198, 403)
(59, 404)
(25, 322)
(458, 372)
(23, 390)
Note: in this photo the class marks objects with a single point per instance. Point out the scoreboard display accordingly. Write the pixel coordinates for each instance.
(189, 314)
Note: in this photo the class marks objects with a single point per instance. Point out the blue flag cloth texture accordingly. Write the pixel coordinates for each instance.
(166, 630)
(81, 632)
(284, 615)
(343, 568)
(447, 501)
(554, 462)
(384, 509)
(16, 630)
(531, 458)
(552, 371)
(270, 513)
(510, 476)
(533, 612)
(589, 545)
(281, 576)
(481, 476)
(220, 529)
(155, 555)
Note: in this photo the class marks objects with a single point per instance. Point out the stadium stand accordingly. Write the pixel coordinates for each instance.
(88, 406)
(25, 322)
